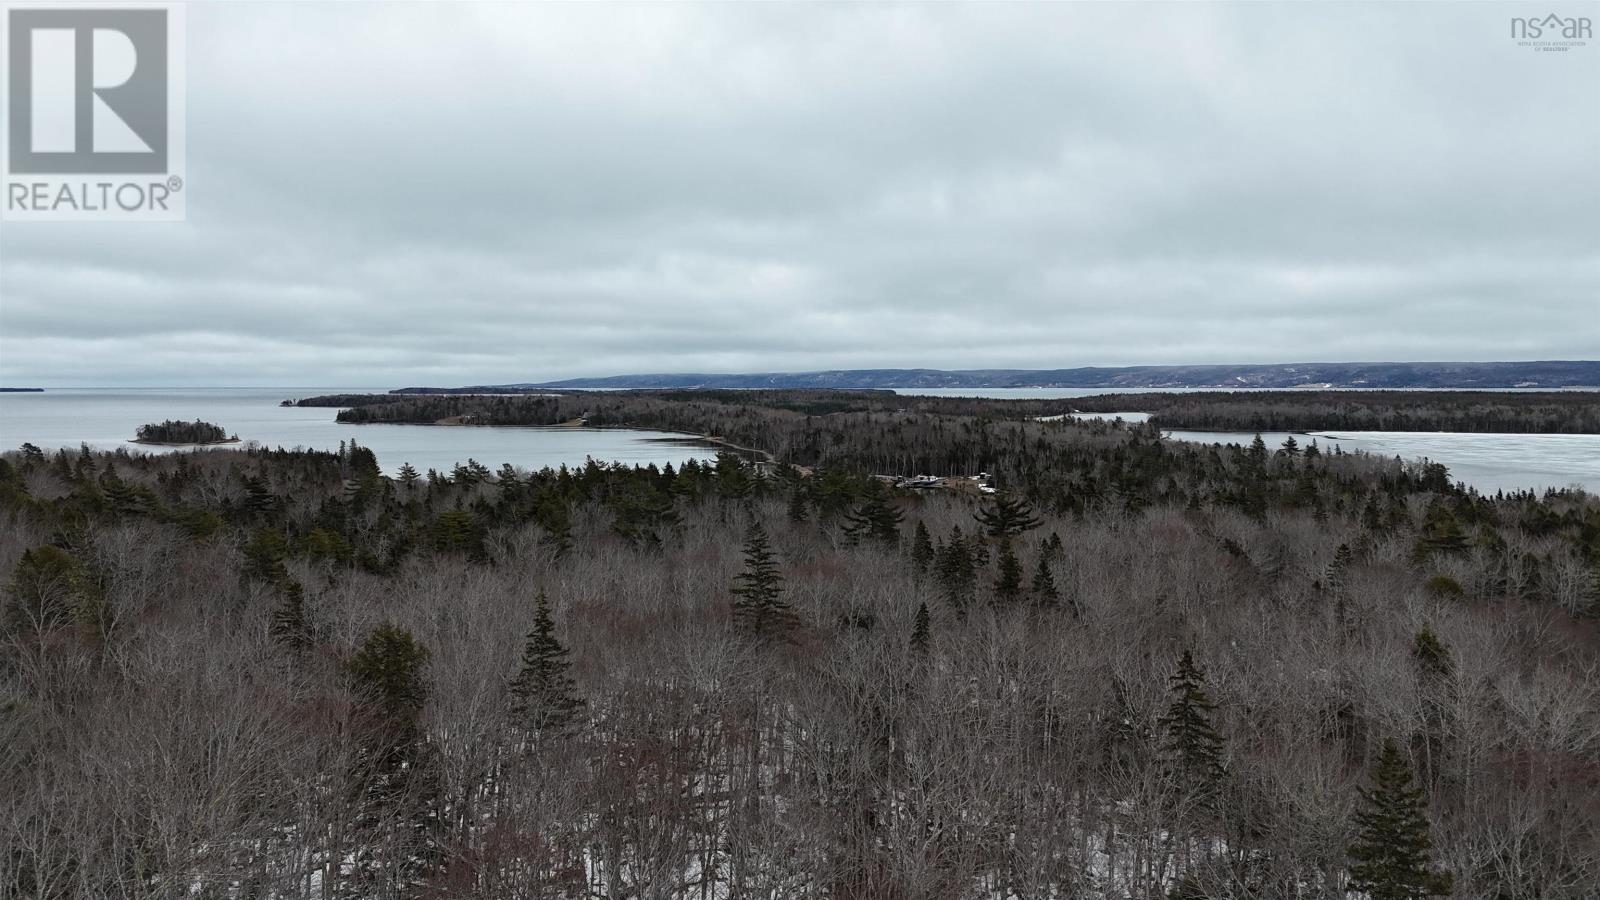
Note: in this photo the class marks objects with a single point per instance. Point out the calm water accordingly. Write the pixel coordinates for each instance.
(106, 418)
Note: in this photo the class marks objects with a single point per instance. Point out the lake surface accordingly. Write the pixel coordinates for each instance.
(105, 419)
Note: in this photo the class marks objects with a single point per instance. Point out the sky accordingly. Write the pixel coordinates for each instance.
(417, 194)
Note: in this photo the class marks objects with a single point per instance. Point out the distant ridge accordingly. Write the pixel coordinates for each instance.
(1456, 375)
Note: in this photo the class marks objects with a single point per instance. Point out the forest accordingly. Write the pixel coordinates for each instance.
(1143, 669)
(1547, 412)
(175, 432)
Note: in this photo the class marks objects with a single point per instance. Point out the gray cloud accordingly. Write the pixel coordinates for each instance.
(440, 194)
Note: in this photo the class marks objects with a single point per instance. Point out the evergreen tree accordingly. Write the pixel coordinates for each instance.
(954, 568)
(258, 496)
(1007, 516)
(1192, 745)
(1441, 532)
(1008, 577)
(457, 531)
(1044, 589)
(759, 609)
(1390, 857)
(1053, 548)
(387, 672)
(1432, 656)
(1337, 571)
(921, 629)
(733, 477)
(408, 475)
(264, 556)
(546, 699)
(874, 519)
(1257, 454)
(48, 590)
(555, 518)
(797, 505)
(289, 624)
(921, 546)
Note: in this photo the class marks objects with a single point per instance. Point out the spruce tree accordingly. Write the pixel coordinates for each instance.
(758, 607)
(1343, 558)
(1192, 745)
(797, 505)
(1441, 532)
(546, 700)
(1008, 576)
(1390, 857)
(1053, 548)
(387, 672)
(289, 624)
(874, 519)
(408, 475)
(921, 547)
(1045, 594)
(954, 568)
(1257, 454)
(921, 629)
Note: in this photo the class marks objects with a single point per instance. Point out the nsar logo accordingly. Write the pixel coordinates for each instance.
(1552, 33)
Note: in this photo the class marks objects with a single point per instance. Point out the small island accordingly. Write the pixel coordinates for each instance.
(175, 432)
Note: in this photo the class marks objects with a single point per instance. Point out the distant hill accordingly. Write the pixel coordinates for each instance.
(1457, 375)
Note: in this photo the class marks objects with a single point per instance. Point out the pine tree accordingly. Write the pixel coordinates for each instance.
(921, 546)
(545, 695)
(874, 519)
(408, 475)
(1053, 548)
(1441, 532)
(1007, 516)
(1337, 572)
(388, 672)
(953, 566)
(1008, 577)
(1390, 858)
(1193, 746)
(921, 629)
(289, 624)
(797, 505)
(1045, 594)
(758, 607)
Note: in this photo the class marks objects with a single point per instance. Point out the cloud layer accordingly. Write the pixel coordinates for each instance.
(432, 194)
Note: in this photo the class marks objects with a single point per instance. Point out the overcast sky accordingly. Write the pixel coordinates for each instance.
(415, 194)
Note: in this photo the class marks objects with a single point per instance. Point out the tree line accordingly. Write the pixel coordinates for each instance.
(1143, 669)
(1546, 412)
